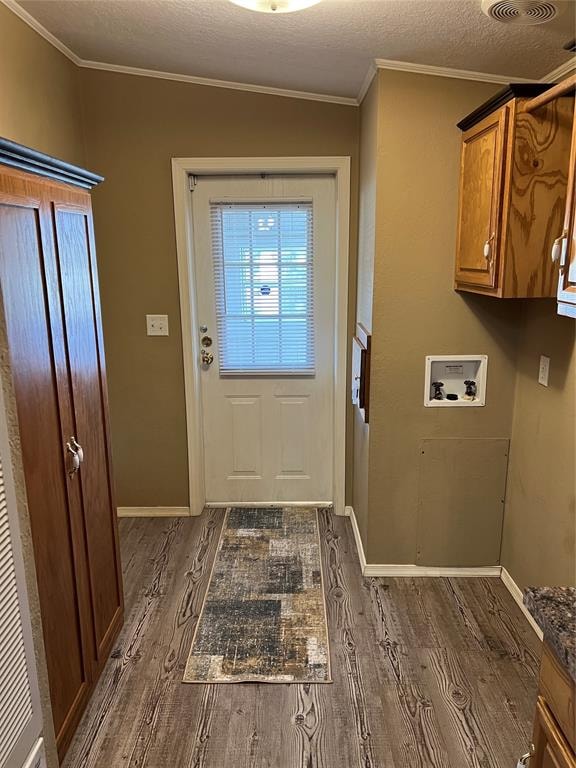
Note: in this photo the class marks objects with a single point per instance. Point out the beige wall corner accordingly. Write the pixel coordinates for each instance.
(39, 92)
(367, 190)
(538, 547)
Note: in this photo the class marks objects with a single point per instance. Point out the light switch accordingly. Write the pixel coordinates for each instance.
(544, 370)
(157, 325)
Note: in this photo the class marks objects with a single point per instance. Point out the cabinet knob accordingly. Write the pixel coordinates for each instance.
(557, 249)
(488, 247)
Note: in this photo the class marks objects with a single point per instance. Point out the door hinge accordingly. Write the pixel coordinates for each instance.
(192, 181)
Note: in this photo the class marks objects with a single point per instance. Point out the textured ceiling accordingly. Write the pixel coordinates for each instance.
(325, 49)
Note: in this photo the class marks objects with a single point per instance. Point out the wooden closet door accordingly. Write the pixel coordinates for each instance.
(38, 362)
(80, 302)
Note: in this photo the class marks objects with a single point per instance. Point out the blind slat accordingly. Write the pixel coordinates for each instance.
(263, 259)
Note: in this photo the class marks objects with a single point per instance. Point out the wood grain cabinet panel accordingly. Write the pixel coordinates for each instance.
(480, 200)
(550, 748)
(513, 186)
(49, 289)
(567, 277)
(559, 691)
(72, 229)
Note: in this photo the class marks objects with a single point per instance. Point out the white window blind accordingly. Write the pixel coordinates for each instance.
(15, 695)
(263, 257)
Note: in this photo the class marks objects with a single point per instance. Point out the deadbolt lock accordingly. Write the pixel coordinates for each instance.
(206, 341)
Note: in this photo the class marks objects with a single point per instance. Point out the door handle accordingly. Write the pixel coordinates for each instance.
(75, 460)
(206, 357)
(78, 448)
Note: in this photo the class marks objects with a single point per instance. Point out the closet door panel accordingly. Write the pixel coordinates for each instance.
(72, 228)
(23, 257)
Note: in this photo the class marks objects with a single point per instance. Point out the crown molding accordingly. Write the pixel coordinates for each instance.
(375, 65)
(560, 72)
(365, 87)
(459, 74)
(269, 90)
(27, 18)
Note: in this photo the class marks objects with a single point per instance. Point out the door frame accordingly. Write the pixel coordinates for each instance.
(182, 169)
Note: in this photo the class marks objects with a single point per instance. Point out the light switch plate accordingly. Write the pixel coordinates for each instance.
(544, 370)
(157, 325)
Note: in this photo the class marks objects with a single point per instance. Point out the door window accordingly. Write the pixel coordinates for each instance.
(263, 255)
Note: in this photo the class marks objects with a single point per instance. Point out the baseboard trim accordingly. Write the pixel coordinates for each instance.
(432, 571)
(393, 569)
(269, 504)
(492, 571)
(518, 597)
(153, 511)
(349, 512)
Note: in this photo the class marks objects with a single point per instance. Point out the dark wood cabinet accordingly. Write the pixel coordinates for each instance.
(49, 289)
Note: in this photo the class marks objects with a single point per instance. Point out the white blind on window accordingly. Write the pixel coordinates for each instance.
(15, 695)
(263, 257)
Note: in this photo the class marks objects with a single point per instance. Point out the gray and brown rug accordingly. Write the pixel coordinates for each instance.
(264, 615)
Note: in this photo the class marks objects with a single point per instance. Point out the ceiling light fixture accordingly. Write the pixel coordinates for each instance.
(275, 6)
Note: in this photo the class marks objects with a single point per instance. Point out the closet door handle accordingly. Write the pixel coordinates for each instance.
(75, 460)
(78, 448)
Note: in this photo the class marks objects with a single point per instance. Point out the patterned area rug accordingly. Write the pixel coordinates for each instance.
(264, 615)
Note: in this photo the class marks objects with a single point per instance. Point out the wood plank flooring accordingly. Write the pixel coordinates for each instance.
(428, 673)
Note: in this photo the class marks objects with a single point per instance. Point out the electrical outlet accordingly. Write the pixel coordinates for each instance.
(157, 325)
(544, 370)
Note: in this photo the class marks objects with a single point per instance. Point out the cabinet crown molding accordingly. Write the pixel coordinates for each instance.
(512, 91)
(27, 159)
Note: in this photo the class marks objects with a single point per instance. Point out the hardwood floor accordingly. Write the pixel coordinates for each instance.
(427, 672)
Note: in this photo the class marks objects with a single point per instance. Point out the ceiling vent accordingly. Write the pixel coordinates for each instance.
(520, 11)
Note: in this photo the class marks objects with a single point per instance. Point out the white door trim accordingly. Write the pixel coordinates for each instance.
(182, 169)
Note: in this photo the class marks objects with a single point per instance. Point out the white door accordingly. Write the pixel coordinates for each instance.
(265, 263)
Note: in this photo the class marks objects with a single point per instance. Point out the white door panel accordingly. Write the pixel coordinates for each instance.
(268, 435)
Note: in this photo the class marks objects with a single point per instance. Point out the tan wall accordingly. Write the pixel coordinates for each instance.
(133, 127)
(367, 189)
(39, 104)
(540, 520)
(370, 173)
(39, 107)
(416, 312)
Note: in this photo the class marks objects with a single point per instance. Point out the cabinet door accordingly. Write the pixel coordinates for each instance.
(550, 748)
(80, 302)
(567, 280)
(481, 180)
(34, 333)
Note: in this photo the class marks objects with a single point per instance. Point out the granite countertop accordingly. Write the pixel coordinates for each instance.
(554, 610)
